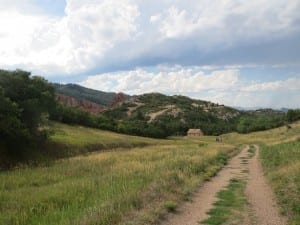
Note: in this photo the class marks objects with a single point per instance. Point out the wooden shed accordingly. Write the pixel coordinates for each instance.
(194, 132)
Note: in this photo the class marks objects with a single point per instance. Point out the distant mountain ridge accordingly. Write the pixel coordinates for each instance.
(87, 99)
(82, 93)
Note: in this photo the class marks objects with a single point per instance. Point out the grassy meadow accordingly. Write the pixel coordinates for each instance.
(268, 137)
(282, 165)
(119, 186)
(137, 180)
(68, 141)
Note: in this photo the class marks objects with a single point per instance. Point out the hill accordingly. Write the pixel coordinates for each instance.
(157, 115)
(173, 114)
(86, 94)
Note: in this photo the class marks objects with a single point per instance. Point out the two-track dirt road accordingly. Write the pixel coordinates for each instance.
(263, 207)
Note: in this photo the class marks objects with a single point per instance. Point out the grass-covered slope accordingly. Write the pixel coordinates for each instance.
(171, 115)
(79, 136)
(71, 140)
(268, 137)
(138, 185)
(122, 186)
(282, 165)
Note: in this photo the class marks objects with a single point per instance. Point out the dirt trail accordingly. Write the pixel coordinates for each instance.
(262, 208)
(260, 195)
(190, 213)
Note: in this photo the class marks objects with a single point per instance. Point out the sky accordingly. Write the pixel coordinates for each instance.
(232, 52)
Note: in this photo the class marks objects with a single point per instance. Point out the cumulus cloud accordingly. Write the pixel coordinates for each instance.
(72, 43)
(182, 81)
(292, 84)
(234, 19)
(111, 34)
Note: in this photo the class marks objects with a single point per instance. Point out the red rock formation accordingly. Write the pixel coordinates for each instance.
(85, 105)
(119, 98)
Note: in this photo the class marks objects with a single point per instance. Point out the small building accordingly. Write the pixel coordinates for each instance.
(194, 132)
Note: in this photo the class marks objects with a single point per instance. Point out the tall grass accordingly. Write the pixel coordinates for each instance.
(115, 187)
(282, 165)
(67, 141)
(268, 137)
(82, 136)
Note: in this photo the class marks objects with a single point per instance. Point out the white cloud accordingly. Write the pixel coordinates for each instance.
(69, 44)
(229, 21)
(182, 81)
(103, 34)
(155, 18)
(291, 84)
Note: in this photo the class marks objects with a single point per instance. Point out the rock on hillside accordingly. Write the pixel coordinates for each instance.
(82, 104)
(95, 96)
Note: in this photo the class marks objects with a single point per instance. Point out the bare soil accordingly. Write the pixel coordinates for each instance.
(261, 210)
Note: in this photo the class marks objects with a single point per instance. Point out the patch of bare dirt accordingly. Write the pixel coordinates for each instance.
(171, 109)
(130, 110)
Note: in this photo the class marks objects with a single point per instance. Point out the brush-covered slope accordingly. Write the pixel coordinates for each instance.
(173, 114)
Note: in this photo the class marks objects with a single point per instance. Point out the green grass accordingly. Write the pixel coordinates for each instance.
(230, 201)
(268, 137)
(121, 186)
(74, 140)
(282, 166)
(132, 183)
(170, 206)
(251, 151)
(81, 136)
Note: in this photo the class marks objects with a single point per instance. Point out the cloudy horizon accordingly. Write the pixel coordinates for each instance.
(237, 53)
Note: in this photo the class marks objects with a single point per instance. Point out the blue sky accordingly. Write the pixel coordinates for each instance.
(235, 52)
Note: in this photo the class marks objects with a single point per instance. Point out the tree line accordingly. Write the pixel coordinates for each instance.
(25, 102)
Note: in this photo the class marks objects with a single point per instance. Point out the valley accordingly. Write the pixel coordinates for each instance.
(144, 183)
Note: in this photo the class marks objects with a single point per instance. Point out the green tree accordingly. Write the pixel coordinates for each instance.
(24, 105)
(293, 115)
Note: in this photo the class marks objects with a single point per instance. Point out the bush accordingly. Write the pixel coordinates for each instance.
(25, 102)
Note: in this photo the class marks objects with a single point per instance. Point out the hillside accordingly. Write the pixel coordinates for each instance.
(120, 186)
(78, 92)
(157, 115)
(173, 114)
(141, 185)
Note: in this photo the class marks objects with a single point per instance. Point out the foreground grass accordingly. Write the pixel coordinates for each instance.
(230, 201)
(282, 165)
(116, 187)
(130, 184)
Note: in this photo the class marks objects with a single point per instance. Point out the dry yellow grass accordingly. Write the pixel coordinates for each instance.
(120, 186)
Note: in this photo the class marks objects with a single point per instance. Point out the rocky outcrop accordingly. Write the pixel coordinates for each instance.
(85, 105)
(118, 99)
